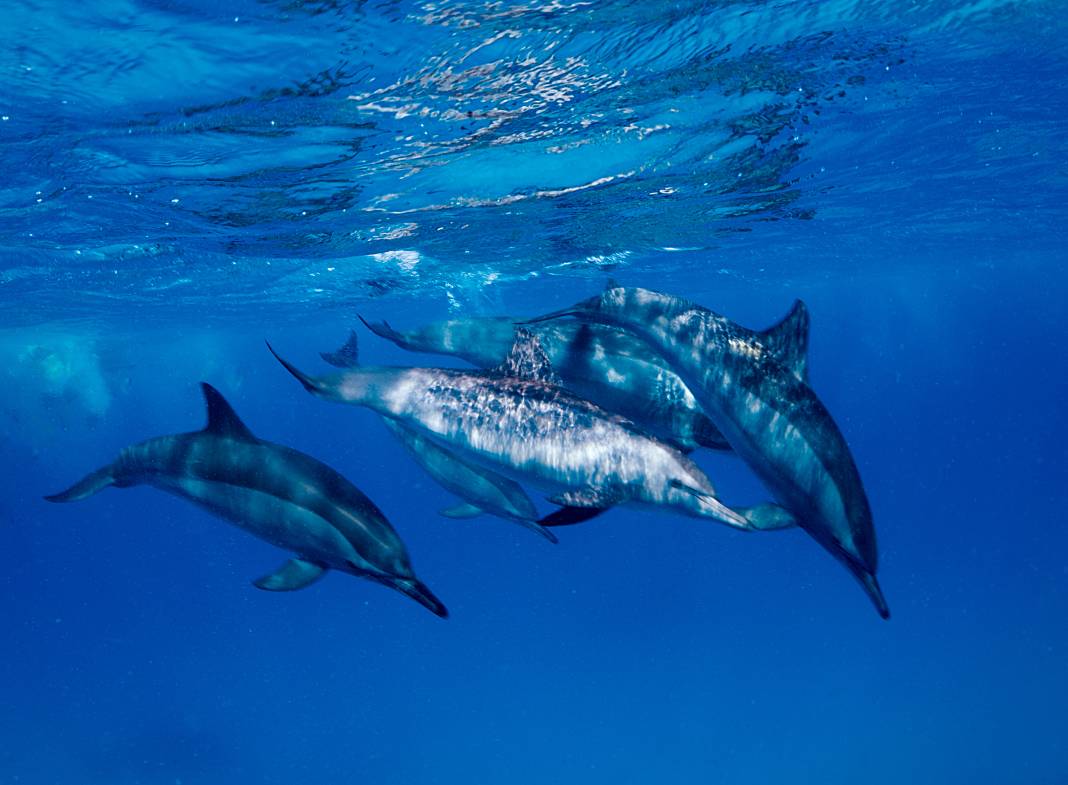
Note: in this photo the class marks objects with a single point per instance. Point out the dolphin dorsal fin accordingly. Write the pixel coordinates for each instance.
(222, 419)
(348, 356)
(788, 340)
(527, 360)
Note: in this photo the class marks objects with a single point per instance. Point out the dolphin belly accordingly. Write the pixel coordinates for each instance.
(270, 518)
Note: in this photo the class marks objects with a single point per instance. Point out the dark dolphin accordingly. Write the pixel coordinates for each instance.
(482, 490)
(278, 494)
(758, 397)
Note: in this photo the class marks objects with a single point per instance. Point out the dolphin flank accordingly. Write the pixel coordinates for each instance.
(278, 494)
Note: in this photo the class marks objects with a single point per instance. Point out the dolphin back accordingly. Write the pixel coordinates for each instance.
(87, 486)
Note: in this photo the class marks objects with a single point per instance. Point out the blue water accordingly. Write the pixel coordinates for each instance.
(183, 179)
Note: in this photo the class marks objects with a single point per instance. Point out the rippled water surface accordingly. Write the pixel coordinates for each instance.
(183, 179)
(295, 153)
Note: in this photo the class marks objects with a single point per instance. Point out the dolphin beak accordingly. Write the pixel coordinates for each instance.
(418, 591)
(561, 314)
(871, 586)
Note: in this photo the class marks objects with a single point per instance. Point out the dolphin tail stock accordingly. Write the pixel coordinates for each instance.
(311, 384)
(418, 591)
(87, 486)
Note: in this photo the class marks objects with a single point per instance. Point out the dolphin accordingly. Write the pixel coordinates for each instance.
(517, 422)
(278, 494)
(756, 393)
(601, 364)
(482, 490)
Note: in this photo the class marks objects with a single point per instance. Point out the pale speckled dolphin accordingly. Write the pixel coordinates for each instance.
(483, 491)
(278, 494)
(529, 429)
(760, 401)
(601, 364)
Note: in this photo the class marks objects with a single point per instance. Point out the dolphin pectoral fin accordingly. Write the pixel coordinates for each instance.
(767, 517)
(294, 574)
(567, 516)
(348, 356)
(87, 486)
(463, 510)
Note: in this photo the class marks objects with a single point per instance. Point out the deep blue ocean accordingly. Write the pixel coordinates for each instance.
(182, 180)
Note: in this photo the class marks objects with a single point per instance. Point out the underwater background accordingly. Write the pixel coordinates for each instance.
(181, 180)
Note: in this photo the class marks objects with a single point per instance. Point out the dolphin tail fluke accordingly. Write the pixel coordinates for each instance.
(85, 487)
(310, 384)
(383, 330)
(418, 591)
(348, 356)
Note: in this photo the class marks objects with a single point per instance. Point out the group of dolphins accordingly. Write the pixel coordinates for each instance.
(597, 404)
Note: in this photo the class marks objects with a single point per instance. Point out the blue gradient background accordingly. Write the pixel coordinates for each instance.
(921, 219)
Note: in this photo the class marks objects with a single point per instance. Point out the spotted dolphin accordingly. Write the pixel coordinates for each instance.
(517, 422)
(278, 494)
(482, 490)
(601, 364)
(760, 400)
